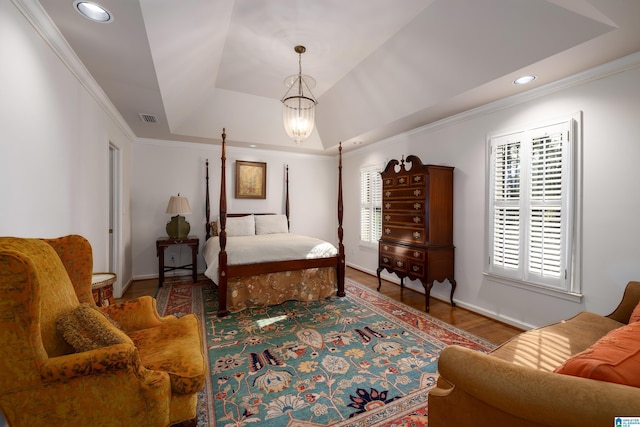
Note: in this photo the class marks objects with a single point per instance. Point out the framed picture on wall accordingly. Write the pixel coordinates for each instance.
(251, 180)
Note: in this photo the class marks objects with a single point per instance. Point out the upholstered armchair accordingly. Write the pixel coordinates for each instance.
(140, 370)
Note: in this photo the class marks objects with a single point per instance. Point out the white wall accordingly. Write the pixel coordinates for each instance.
(54, 144)
(165, 168)
(611, 199)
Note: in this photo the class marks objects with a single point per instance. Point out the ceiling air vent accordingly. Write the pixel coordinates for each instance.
(148, 118)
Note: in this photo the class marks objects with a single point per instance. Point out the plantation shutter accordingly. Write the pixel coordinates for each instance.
(365, 211)
(506, 199)
(370, 204)
(548, 175)
(531, 205)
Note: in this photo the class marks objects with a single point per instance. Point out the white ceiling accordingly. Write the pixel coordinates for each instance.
(382, 66)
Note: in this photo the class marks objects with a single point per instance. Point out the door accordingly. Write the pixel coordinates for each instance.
(114, 209)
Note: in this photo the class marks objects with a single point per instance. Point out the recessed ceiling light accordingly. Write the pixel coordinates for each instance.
(524, 80)
(92, 11)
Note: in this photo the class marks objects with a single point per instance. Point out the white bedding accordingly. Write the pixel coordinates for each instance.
(264, 248)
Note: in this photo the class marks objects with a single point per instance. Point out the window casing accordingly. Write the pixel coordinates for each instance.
(532, 218)
(370, 204)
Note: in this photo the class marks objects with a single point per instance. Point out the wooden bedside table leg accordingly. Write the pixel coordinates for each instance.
(160, 265)
(194, 262)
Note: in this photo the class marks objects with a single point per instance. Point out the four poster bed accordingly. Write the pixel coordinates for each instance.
(255, 261)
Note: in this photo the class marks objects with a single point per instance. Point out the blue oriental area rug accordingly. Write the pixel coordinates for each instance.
(362, 360)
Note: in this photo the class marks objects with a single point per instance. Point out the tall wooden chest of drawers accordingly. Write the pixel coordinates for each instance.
(417, 224)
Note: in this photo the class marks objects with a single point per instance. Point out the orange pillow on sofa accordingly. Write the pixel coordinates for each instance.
(635, 315)
(614, 358)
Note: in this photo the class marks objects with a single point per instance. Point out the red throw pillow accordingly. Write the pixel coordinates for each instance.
(635, 316)
(614, 358)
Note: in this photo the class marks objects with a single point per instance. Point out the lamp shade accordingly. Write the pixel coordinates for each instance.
(178, 205)
(178, 227)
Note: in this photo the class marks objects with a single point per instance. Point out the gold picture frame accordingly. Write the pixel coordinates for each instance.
(251, 180)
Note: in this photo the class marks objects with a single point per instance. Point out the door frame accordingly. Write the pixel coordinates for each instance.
(114, 178)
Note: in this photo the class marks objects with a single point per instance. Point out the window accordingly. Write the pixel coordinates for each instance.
(370, 204)
(532, 206)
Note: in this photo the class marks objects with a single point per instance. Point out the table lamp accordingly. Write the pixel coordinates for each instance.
(178, 227)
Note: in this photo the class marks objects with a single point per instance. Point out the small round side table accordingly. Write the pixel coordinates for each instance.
(102, 288)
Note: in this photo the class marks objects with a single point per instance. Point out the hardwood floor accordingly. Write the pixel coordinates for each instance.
(477, 324)
(482, 326)
(140, 288)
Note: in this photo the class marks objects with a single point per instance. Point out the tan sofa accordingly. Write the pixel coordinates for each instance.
(515, 385)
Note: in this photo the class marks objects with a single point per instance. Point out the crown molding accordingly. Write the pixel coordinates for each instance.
(601, 71)
(33, 11)
(182, 145)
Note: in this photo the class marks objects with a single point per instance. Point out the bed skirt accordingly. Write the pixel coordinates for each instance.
(276, 288)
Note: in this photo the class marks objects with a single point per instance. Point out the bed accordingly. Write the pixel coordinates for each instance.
(256, 261)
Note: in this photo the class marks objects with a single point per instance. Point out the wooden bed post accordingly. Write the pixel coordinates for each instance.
(207, 204)
(341, 258)
(286, 189)
(222, 257)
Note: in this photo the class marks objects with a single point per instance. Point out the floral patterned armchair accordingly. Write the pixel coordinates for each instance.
(150, 376)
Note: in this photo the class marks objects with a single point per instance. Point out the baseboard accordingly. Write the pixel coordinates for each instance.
(146, 277)
(169, 274)
(387, 277)
(497, 317)
(467, 306)
(124, 290)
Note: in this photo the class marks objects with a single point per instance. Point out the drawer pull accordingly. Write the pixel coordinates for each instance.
(401, 180)
(417, 178)
(416, 254)
(400, 263)
(387, 217)
(416, 235)
(387, 231)
(387, 194)
(387, 205)
(416, 268)
(385, 260)
(387, 182)
(417, 206)
(417, 219)
(385, 247)
(417, 192)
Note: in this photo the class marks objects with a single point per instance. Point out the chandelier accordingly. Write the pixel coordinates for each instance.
(298, 111)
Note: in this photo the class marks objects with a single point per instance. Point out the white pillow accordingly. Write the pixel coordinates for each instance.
(241, 226)
(271, 224)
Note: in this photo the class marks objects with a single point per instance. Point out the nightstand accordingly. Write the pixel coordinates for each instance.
(164, 242)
